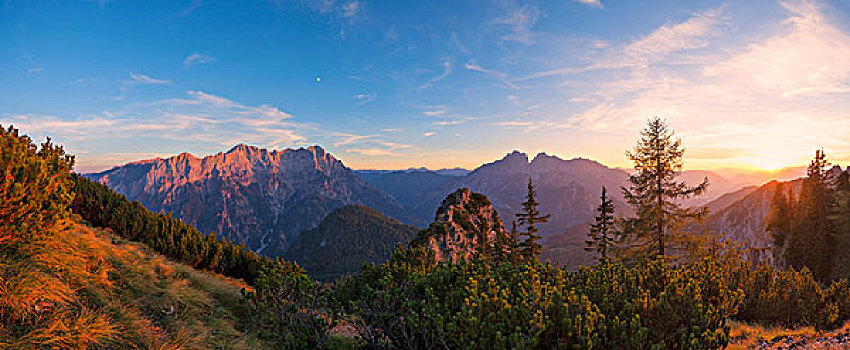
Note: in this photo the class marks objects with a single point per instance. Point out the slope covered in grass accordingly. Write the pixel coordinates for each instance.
(80, 287)
(65, 285)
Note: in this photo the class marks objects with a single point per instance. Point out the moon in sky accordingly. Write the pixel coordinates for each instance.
(318, 79)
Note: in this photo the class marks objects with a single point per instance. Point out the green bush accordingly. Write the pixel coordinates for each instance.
(34, 189)
(291, 309)
(478, 304)
(791, 298)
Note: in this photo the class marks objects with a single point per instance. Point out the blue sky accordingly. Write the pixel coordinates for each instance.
(396, 84)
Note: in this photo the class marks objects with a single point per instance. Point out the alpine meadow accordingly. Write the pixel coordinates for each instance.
(349, 174)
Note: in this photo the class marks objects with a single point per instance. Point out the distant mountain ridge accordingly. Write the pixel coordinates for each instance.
(265, 198)
(259, 197)
(346, 239)
(444, 171)
(568, 190)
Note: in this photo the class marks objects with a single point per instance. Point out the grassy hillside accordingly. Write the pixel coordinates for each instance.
(65, 285)
(81, 287)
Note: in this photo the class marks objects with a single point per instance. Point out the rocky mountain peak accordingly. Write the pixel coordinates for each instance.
(514, 162)
(462, 218)
(248, 194)
(240, 147)
(514, 157)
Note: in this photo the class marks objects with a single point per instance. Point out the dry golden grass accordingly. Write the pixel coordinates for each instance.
(746, 336)
(82, 288)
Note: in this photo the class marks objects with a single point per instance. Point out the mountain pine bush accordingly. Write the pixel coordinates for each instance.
(480, 304)
(792, 298)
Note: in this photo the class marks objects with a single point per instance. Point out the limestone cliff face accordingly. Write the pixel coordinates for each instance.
(462, 219)
(259, 197)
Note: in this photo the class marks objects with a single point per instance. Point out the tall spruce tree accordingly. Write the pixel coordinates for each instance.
(602, 234)
(840, 216)
(812, 241)
(780, 219)
(530, 248)
(653, 191)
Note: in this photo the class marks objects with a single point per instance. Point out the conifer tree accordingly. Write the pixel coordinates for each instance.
(813, 239)
(34, 187)
(653, 190)
(603, 234)
(840, 216)
(780, 219)
(840, 210)
(530, 248)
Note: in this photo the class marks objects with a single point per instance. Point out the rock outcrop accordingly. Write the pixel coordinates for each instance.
(462, 221)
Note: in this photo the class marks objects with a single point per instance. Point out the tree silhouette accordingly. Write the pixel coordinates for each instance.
(653, 190)
(530, 216)
(602, 234)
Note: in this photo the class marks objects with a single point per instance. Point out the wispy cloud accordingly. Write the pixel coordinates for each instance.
(433, 111)
(374, 145)
(193, 5)
(758, 97)
(592, 3)
(447, 69)
(136, 78)
(363, 99)
(350, 9)
(197, 58)
(341, 14)
(344, 139)
(693, 33)
(471, 65)
(520, 19)
(429, 134)
(449, 122)
(517, 101)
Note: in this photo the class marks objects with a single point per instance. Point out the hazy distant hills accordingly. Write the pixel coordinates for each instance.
(447, 172)
(260, 197)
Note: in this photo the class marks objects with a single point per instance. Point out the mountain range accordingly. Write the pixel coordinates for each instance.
(266, 199)
(255, 196)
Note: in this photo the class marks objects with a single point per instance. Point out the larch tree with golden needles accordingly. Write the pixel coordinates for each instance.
(653, 191)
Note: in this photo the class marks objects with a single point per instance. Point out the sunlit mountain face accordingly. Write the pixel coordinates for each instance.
(748, 85)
